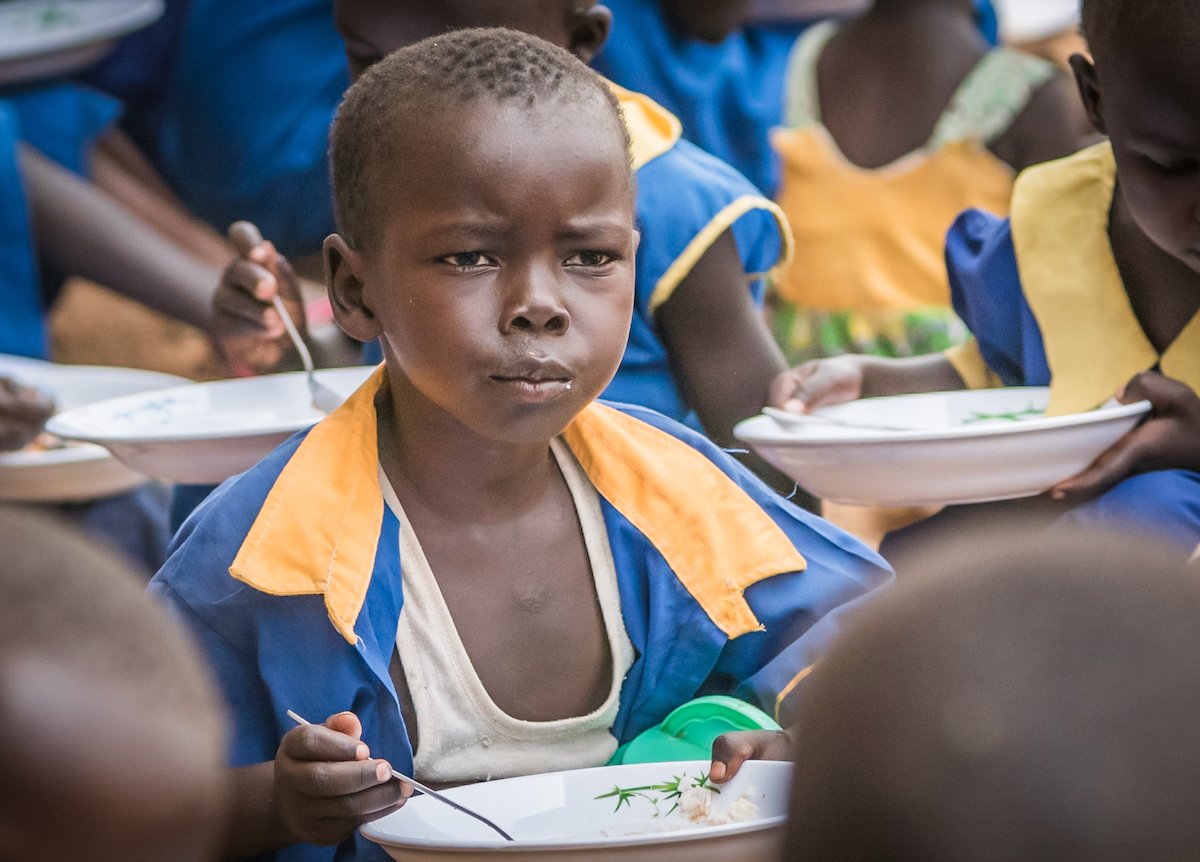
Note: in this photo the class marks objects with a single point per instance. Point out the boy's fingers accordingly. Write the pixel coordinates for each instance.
(244, 236)
(729, 752)
(1114, 464)
(345, 722)
(316, 742)
(1162, 392)
(250, 278)
(326, 779)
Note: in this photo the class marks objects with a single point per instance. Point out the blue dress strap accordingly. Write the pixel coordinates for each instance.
(985, 288)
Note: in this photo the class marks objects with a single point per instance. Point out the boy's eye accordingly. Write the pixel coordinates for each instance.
(467, 259)
(589, 259)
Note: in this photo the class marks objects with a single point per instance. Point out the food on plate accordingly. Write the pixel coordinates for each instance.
(694, 802)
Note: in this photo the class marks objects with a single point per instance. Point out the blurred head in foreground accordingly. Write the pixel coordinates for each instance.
(111, 743)
(1013, 703)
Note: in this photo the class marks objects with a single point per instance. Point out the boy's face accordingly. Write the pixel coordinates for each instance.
(502, 281)
(373, 29)
(1146, 98)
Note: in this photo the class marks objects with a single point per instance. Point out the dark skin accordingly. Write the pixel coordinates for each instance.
(1144, 98)
(886, 77)
(23, 412)
(721, 351)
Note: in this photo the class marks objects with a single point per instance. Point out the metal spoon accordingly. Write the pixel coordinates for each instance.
(416, 785)
(791, 420)
(323, 398)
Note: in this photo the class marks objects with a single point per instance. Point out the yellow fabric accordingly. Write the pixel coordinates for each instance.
(714, 537)
(787, 689)
(702, 242)
(971, 367)
(319, 527)
(1093, 341)
(318, 531)
(874, 239)
(653, 128)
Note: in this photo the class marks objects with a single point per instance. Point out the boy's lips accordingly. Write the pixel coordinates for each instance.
(535, 379)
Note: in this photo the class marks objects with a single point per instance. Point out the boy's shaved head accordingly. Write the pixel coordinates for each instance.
(1110, 24)
(1019, 702)
(111, 742)
(437, 78)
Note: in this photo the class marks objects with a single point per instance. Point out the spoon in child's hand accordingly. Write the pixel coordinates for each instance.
(416, 785)
(323, 398)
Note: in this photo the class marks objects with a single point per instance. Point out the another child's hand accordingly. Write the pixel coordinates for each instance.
(246, 326)
(23, 412)
(818, 383)
(327, 785)
(731, 750)
(1169, 439)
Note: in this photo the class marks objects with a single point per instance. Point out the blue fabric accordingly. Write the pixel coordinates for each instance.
(61, 122)
(985, 287)
(247, 114)
(273, 653)
(728, 96)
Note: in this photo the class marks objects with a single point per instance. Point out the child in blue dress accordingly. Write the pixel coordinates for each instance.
(1092, 287)
(474, 568)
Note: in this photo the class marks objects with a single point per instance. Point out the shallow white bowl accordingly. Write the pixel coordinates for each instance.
(79, 471)
(558, 818)
(949, 455)
(203, 433)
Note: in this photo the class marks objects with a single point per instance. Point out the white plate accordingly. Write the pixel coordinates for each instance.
(204, 433)
(46, 38)
(558, 816)
(953, 454)
(79, 471)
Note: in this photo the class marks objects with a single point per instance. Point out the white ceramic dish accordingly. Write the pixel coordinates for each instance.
(954, 453)
(203, 433)
(80, 471)
(558, 818)
(42, 39)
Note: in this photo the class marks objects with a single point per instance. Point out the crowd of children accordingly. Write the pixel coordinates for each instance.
(529, 537)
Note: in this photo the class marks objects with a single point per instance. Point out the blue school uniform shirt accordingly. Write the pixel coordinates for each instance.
(686, 198)
(61, 122)
(728, 96)
(245, 121)
(289, 577)
(1043, 297)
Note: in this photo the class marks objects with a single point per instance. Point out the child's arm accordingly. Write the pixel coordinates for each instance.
(1168, 440)
(82, 231)
(321, 786)
(822, 382)
(731, 750)
(246, 326)
(23, 412)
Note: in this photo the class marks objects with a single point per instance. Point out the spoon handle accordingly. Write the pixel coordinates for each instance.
(416, 785)
(293, 334)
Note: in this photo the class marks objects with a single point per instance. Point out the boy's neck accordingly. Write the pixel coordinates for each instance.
(432, 458)
(1164, 291)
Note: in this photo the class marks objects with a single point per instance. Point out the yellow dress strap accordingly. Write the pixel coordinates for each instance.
(652, 128)
(1094, 343)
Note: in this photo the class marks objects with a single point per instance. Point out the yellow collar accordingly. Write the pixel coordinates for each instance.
(653, 128)
(1093, 341)
(318, 531)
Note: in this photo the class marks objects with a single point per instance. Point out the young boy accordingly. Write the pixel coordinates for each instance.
(698, 349)
(569, 572)
(1093, 286)
(110, 735)
(1036, 702)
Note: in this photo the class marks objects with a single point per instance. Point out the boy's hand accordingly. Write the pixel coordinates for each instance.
(246, 326)
(1169, 439)
(818, 383)
(327, 785)
(731, 750)
(23, 412)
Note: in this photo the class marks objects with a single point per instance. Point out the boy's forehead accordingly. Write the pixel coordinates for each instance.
(389, 25)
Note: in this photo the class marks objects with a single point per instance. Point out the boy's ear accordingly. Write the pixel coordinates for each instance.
(1089, 89)
(589, 31)
(343, 278)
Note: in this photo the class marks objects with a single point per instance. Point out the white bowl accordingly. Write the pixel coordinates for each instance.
(203, 433)
(79, 471)
(949, 454)
(563, 816)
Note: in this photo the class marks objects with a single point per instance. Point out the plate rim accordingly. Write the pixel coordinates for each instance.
(137, 15)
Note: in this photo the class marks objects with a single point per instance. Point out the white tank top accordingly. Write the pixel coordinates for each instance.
(463, 736)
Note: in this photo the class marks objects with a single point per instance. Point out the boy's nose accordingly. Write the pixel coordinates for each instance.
(536, 309)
